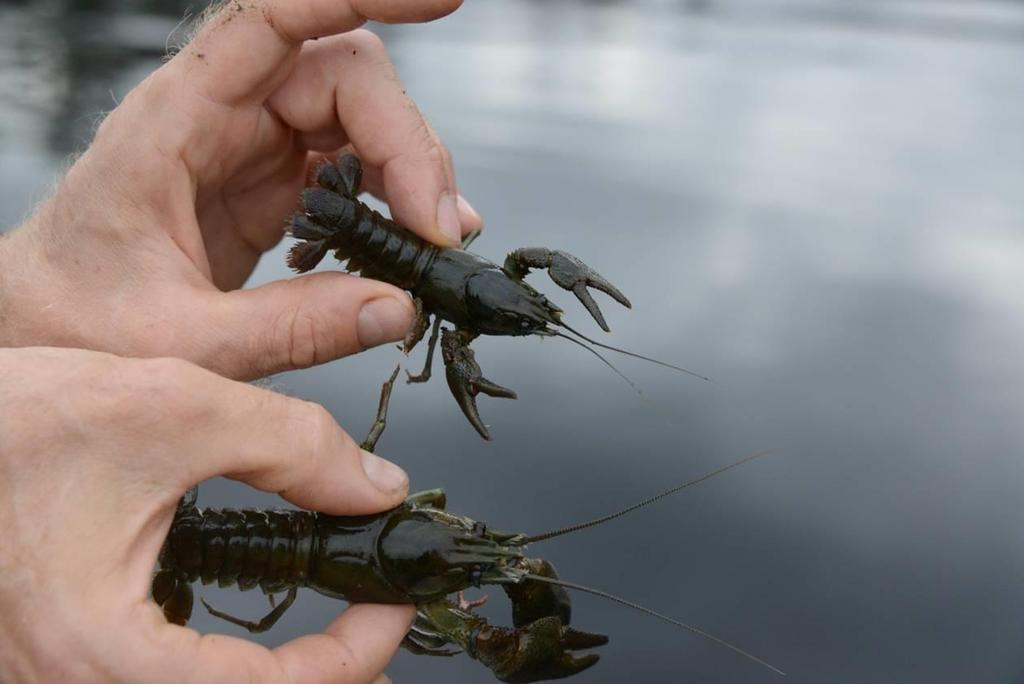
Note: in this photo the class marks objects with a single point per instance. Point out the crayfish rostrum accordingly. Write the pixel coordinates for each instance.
(474, 294)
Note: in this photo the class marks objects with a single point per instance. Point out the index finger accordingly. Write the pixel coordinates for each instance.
(244, 48)
(270, 441)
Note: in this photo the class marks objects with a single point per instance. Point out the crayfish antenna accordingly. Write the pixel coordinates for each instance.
(603, 360)
(646, 502)
(634, 354)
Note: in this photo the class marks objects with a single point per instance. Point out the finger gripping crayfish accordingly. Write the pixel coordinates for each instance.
(474, 294)
(416, 553)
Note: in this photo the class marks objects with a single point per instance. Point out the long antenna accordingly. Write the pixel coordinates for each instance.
(645, 502)
(635, 355)
(636, 606)
(606, 362)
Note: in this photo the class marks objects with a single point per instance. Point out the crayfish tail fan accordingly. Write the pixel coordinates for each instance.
(304, 256)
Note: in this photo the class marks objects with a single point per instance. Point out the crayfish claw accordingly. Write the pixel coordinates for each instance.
(569, 273)
(572, 665)
(493, 389)
(533, 600)
(597, 281)
(467, 402)
(577, 640)
(536, 652)
(572, 274)
(424, 639)
(543, 649)
(580, 290)
(465, 379)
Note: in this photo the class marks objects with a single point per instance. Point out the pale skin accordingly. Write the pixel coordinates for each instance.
(96, 451)
(144, 245)
(140, 253)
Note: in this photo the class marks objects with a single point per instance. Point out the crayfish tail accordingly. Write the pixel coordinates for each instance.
(174, 596)
(304, 256)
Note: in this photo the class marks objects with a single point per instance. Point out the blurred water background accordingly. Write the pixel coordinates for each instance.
(816, 202)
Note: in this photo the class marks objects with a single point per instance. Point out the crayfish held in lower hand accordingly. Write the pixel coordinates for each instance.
(417, 553)
(476, 295)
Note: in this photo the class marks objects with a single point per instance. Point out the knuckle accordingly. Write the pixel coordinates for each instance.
(443, 152)
(434, 151)
(319, 443)
(151, 389)
(318, 430)
(303, 337)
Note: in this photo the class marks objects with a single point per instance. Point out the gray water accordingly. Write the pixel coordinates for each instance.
(818, 204)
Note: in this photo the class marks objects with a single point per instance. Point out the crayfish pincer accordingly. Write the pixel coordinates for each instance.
(476, 295)
(417, 553)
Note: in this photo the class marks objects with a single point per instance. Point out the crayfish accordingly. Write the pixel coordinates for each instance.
(416, 553)
(476, 295)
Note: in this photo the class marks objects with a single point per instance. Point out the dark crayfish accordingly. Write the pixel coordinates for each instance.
(476, 295)
(417, 553)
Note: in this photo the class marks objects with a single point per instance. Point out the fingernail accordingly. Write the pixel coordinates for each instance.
(468, 216)
(384, 475)
(448, 218)
(383, 320)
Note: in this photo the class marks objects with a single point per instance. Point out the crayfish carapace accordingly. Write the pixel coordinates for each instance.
(474, 294)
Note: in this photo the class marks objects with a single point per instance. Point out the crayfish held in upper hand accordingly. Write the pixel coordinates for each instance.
(476, 295)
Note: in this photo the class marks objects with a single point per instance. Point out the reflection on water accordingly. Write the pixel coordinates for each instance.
(815, 203)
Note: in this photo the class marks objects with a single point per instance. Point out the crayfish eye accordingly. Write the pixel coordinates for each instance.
(475, 575)
(479, 529)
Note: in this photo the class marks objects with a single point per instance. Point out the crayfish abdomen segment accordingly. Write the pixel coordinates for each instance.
(371, 244)
(269, 549)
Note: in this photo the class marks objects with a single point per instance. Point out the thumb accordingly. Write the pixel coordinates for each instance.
(301, 322)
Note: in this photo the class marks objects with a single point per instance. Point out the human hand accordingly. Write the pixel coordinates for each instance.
(95, 451)
(142, 248)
